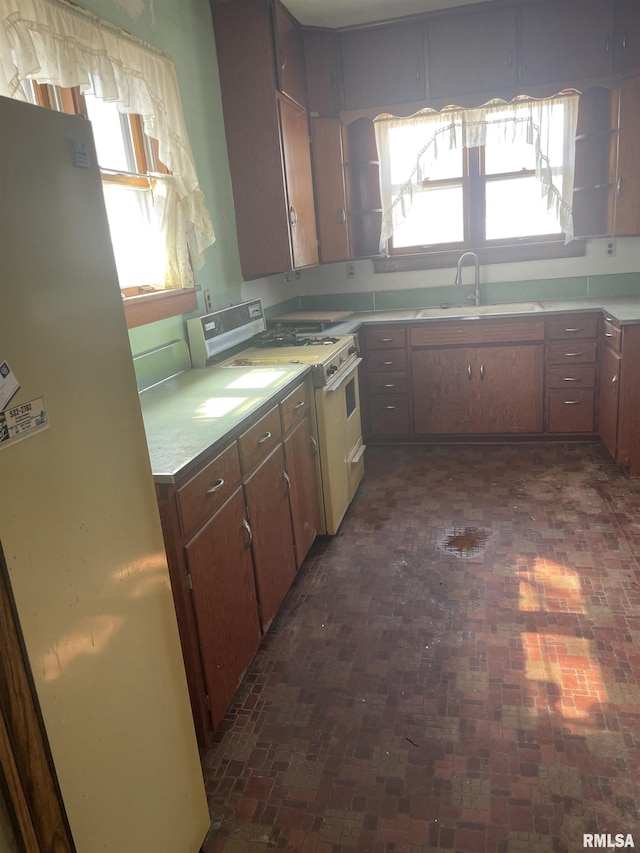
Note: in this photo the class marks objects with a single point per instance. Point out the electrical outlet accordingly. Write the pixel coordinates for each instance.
(351, 270)
(207, 301)
(611, 248)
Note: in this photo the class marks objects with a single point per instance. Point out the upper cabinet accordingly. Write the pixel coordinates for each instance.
(627, 191)
(626, 43)
(562, 42)
(472, 52)
(383, 65)
(289, 50)
(325, 93)
(262, 82)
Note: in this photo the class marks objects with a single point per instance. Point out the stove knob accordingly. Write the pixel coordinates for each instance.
(342, 359)
(332, 369)
(352, 350)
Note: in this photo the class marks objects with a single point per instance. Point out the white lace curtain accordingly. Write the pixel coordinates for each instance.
(49, 41)
(522, 120)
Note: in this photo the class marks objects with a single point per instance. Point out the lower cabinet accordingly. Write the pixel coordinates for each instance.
(267, 497)
(236, 529)
(478, 390)
(220, 568)
(609, 397)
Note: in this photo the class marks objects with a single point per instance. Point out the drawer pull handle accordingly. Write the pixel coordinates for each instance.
(387, 363)
(572, 354)
(469, 371)
(572, 402)
(299, 404)
(482, 371)
(287, 482)
(608, 335)
(386, 340)
(390, 385)
(247, 527)
(390, 407)
(573, 330)
(216, 486)
(571, 378)
(609, 319)
(264, 438)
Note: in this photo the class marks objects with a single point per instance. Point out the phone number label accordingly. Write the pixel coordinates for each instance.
(23, 420)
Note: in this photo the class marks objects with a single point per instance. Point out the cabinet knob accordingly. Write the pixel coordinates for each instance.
(342, 216)
(293, 216)
(614, 379)
(482, 371)
(469, 371)
(620, 186)
(264, 438)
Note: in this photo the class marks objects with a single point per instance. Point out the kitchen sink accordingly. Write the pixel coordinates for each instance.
(471, 312)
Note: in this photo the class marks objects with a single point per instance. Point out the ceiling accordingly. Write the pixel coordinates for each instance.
(344, 13)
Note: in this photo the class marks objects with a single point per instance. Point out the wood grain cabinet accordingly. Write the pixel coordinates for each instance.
(571, 357)
(472, 52)
(566, 41)
(236, 529)
(330, 189)
(609, 384)
(383, 65)
(626, 48)
(627, 194)
(323, 61)
(262, 81)
(386, 381)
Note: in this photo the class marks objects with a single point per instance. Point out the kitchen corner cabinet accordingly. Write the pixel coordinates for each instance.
(236, 529)
(330, 190)
(472, 52)
(383, 65)
(627, 196)
(267, 136)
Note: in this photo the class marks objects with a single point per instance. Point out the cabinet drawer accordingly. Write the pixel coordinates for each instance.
(393, 359)
(575, 352)
(572, 376)
(385, 338)
(571, 326)
(388, 383)
(389, 416)
(258, 441)
(571, 411)
(612, 333)
(296, 406)
(205, 493)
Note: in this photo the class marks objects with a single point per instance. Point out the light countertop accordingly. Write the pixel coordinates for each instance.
(186, 416)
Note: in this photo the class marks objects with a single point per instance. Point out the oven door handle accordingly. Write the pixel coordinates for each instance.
(343, 377)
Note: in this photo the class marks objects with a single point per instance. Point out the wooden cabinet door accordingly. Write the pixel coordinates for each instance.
(297, 166)
(510, 396)
(331, 201)
(300, 455)
(626, 50)
(268, 508)
(627, 204)
(565, 41)
(324, 72)
(383, 65)
(628, 451)
(224, 600)
(443, 391)
(472, 52)
(289, 51)
(608, 399)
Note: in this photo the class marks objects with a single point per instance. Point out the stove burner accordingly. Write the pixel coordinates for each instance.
(284, 338)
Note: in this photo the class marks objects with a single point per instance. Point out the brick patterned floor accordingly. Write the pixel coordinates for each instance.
(457, 670)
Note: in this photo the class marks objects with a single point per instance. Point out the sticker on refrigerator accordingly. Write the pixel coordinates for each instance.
(8, 384)
(22, 421)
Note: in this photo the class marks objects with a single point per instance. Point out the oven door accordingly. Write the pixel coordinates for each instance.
(340, 439)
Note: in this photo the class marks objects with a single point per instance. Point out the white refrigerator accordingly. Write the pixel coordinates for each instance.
(79, 523)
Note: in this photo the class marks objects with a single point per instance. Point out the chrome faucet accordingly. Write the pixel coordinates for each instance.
(476, 263)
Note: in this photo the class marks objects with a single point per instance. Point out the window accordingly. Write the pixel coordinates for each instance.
(127, 159)
(468, 179)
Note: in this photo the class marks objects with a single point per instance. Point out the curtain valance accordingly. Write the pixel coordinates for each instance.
(522, 120)
(49, 41)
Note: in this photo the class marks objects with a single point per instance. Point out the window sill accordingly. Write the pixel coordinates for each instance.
(514, 253)
(149, 307)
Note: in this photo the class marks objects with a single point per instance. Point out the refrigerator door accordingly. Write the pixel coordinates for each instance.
(79, 522)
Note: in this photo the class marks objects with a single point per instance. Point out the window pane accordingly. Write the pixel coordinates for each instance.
(135, 235)
(435, 216)
(511, 155)
(515, 208)
(111, 134)
(405, 143)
